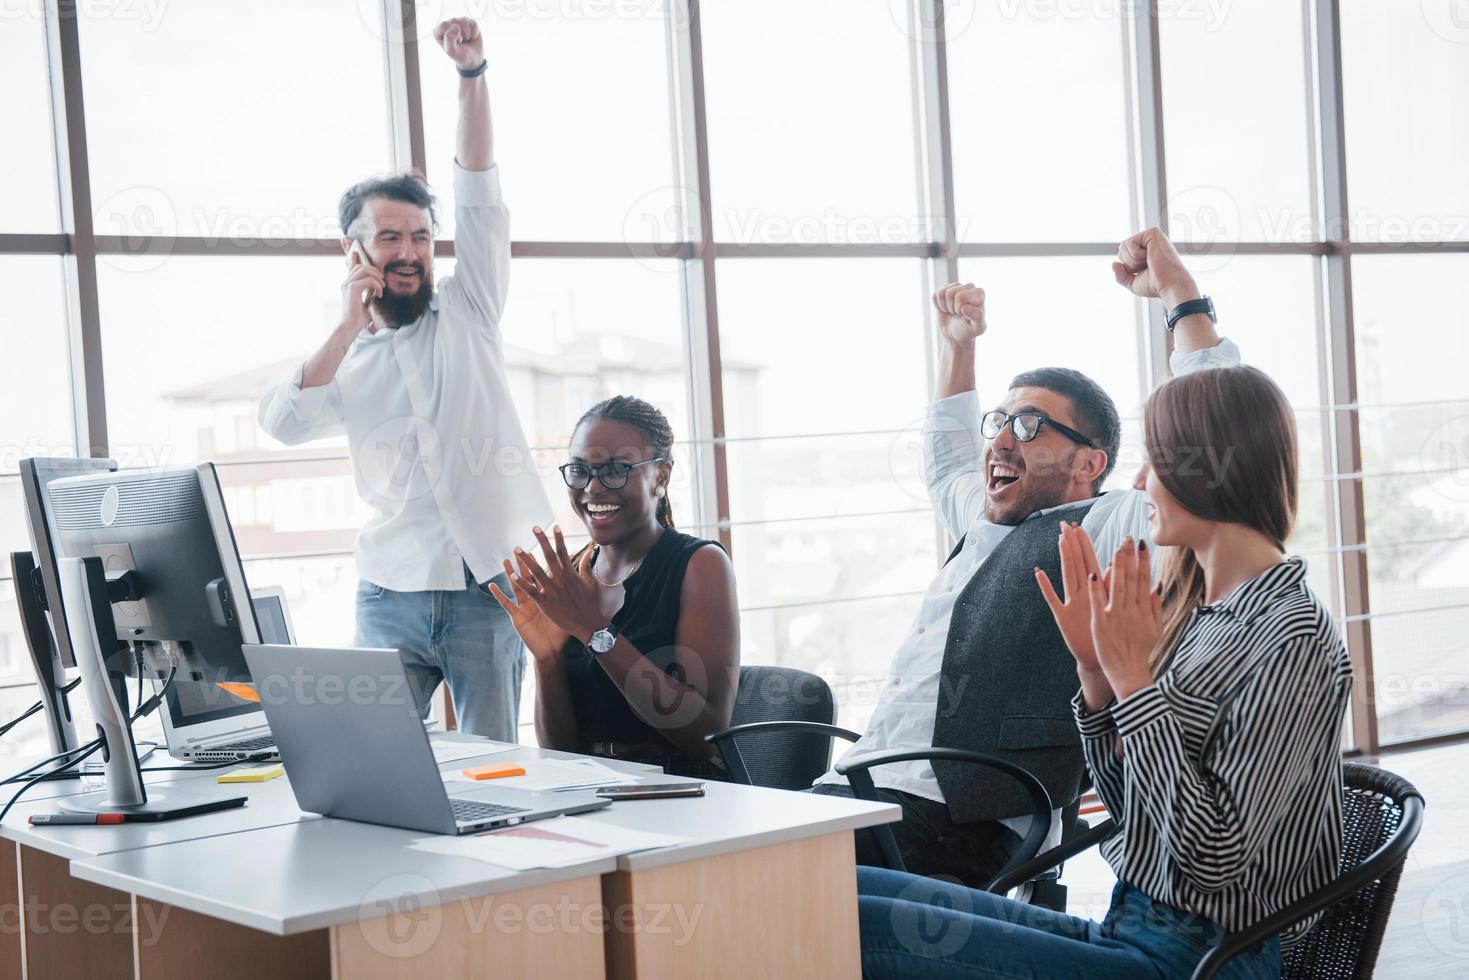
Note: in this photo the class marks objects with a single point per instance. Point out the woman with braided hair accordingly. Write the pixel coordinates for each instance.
(636, 638)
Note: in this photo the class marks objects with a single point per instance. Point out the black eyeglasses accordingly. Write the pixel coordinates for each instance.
(612, 474)
(1025, 426)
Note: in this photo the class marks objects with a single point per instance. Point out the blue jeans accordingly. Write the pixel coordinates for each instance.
(919, 928)
(463, 637)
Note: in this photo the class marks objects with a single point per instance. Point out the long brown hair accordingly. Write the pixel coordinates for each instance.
(1223, 443)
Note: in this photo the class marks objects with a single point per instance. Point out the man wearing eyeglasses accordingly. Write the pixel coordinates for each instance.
(415, 377)
(983, 667)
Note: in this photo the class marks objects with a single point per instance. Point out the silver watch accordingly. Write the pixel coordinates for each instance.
(601, 642)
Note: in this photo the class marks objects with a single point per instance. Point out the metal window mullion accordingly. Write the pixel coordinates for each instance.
(1319, 305)
(404, 91)
(403, 97)
(1150, 191)
(934, 156)
(84, 330)
(1346, 442)
(700, 296)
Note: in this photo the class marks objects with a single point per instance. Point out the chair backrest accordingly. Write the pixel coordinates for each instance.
(1345, 941)
(783, 760)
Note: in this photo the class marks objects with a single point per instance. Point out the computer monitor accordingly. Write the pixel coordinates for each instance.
(36, 474)
(172, 589)
(169, 527)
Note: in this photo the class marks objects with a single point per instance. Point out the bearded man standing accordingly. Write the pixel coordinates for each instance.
(414, 374)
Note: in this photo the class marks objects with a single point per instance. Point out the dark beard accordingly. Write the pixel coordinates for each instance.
(398, 310)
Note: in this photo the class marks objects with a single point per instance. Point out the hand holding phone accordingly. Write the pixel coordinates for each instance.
(364, 283)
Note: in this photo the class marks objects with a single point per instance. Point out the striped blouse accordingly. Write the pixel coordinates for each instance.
(1225, 774)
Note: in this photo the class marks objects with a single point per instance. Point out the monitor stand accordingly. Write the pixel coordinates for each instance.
(50, 675)
(93, 631)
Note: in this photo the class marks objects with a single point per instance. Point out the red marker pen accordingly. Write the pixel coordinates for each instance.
(57, 819)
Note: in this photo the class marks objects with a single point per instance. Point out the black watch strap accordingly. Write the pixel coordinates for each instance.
(1188, 308)
(473, 72)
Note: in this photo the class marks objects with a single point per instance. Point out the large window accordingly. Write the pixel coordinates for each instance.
(1415, 463)
(855, 154)
(232, 122)
(1038, 112)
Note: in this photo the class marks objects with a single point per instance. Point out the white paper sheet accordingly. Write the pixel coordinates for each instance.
(555, 843)
(554, 776)
(447, 750)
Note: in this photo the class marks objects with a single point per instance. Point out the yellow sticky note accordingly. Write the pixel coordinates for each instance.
(252, 774)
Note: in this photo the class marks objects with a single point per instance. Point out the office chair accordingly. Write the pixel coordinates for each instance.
(782, 718)
(1381, 816)
(781, 728)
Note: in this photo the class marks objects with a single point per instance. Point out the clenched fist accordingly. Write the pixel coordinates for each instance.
(461, 40)
(961, 312)
(1149, 266)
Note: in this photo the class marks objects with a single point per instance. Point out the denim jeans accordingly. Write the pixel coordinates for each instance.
(462, 637)
(920, 928)
(931, 843)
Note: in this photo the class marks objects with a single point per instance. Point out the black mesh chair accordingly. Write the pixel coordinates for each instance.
(781, 729)
(860, 778)
(1381, 816)
(781, 737)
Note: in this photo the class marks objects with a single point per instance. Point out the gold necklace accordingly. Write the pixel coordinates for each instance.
(612, 585)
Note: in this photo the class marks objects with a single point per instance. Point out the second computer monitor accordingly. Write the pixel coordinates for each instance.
(36, 475)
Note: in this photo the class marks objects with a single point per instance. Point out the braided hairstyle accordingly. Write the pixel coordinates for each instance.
(654, 426)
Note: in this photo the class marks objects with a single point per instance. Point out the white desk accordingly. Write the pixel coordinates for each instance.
(73, 927)
(765, 886)
(332, 896)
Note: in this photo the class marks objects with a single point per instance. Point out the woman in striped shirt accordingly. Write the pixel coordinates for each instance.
(1210, 712)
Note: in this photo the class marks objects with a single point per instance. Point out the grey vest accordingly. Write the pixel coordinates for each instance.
(1007, 680)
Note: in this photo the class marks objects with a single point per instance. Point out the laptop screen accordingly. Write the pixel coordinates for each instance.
(270, 613)
(193, 702)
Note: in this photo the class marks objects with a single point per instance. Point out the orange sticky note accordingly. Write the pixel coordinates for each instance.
(494, 771)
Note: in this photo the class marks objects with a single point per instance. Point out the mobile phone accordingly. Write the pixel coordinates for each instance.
(651, 791)
(358, 254)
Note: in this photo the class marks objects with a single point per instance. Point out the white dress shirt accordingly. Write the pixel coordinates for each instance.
(437, 450)
(907, 704)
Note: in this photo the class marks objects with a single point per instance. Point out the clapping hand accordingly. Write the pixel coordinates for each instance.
(1127, 618)
(543, 638)
(563, 590)
(1074, 613)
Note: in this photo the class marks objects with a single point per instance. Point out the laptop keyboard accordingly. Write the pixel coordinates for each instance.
(246, 745)
(468, 811)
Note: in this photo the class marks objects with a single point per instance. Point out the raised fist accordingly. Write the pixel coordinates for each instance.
(461, 40)
(961, 312)
(1149, 266)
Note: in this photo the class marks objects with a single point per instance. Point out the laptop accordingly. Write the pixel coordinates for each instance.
(351, 735)
(203, 722)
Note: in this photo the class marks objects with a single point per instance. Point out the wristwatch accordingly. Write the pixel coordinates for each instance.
(1188, 308)
(601, 642)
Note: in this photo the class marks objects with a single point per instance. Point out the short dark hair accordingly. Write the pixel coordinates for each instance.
(409, 187)
(1096, 414)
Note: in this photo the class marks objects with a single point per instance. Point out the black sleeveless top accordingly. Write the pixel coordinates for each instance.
(649, 620)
